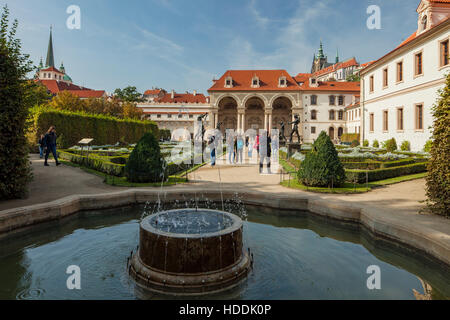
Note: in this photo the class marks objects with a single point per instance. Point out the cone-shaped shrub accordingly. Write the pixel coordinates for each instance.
(322, 167)
(438, 179)
(145, 163)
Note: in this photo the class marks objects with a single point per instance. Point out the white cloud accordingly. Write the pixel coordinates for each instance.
(261, 20)
(293, 50)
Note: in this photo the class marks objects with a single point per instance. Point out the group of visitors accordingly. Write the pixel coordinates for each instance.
(47, 144)
(235, 148)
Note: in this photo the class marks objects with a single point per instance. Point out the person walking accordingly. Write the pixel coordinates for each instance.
(239, 149)
(41, 146)
(212, 147)
(230, 147)
(265, 152)
(235, 149)
(50, 145)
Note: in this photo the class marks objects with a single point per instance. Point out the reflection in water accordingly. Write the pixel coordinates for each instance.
(428, 292)
(297, 256)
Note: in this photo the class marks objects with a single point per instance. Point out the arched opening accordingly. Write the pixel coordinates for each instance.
(331, 133)
(254, 114)
(340, 132)
(227, 115)
(281, 111)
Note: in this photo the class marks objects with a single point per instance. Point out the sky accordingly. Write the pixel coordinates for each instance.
(183, 45)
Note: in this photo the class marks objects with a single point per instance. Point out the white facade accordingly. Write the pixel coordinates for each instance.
(399, 90)
(323, 116)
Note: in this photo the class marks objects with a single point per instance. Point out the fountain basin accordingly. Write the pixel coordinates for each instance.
(190, 251)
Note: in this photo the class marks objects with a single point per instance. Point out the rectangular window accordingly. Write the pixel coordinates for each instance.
(444, 53)
(371, 122)
(385, 121)
(191, 116)
(400, 119)
(341, 115)
(341, 100)
(332, 100)
(400, 72)
(180, 116)
(419, 117)
(385, 77)
(371, 84)
(313, 129)
(313, 100)
(169, 116)
(158, 116)
(419, 64)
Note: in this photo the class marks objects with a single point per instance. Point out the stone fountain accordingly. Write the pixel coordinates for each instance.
(190, 251)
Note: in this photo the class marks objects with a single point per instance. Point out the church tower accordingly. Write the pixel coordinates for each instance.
(320, 61)
(50, 61)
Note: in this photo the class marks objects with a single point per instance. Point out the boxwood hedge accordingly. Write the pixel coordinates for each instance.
(359, 176)
(74, 126)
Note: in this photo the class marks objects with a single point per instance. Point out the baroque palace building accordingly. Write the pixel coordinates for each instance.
(393, 99)
(399, 89)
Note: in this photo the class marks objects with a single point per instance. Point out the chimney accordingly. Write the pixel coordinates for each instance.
(194, 93)
(172, 94)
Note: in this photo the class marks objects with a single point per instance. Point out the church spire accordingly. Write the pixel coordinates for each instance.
(320, 55)
(50, 62)
(337, 55)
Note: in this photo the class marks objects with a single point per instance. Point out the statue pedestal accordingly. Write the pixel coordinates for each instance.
(293, 147)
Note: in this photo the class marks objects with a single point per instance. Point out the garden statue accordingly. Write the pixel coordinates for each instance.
(296, 122)
(282, 136)
(201, 133)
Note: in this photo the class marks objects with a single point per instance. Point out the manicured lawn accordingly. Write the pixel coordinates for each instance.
(347, 188)
(122, 181)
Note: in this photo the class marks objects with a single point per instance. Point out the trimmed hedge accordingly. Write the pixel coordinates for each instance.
(74, 126)
(350, 137)
(359, 176)
(374, 165)
(94, 162)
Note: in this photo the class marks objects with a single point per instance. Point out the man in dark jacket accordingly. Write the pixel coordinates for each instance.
(50, 145)
(265, 151)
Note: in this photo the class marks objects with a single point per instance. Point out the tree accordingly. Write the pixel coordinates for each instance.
(129, 110)
(15, 171)
(438, 178)
(145, 163)
(128, 94)
(36, 94)
(322, 167)
(66, 100)
(355, 77)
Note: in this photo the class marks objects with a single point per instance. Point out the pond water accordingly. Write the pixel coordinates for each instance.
(296, 256)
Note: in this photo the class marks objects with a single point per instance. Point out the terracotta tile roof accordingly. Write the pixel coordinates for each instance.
(55, 87)
(363, 65)
(340, 65)
(88, 93)
(51, 69)
(352, 106)
(170, 112)
(242, 81)
(340, 86)
(302, 77)
(152, 92)
(182, 98)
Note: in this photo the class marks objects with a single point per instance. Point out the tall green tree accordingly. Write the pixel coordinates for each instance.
(322, 167)
(15, 170)
(128, 94)
(438, 178)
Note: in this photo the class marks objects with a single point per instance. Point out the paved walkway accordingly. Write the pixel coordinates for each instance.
(52, 183)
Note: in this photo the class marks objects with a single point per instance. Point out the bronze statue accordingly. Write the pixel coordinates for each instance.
(296, 122)
(282, 135)
(201, 133)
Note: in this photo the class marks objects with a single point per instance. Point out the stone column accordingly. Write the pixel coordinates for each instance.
(265, 121)
(238, 127)
(216, 117)
(243, 122)
(270, 122)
